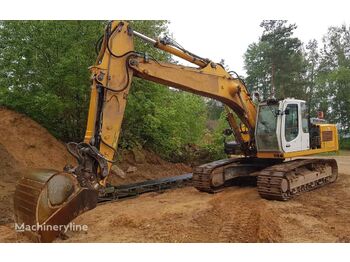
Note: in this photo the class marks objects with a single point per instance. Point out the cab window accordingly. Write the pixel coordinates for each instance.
(266, 135)
(304, 117)
(291, 123)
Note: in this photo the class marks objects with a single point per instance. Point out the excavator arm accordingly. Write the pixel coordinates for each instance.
(118, 63)
(48, 197)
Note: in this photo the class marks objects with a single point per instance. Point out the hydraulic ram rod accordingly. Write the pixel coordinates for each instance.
(171, 50)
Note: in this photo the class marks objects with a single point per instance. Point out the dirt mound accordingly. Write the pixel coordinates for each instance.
(30, 144)
(138, 165)
(10, 170)
(9, 166)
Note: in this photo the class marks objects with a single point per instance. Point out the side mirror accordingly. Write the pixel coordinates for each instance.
(227, 132)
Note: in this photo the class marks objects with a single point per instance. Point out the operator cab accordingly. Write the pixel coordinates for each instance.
(282, 126)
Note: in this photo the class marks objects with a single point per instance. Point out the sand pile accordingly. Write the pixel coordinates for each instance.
(30, 144)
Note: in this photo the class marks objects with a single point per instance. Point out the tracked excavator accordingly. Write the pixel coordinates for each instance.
(270, 137)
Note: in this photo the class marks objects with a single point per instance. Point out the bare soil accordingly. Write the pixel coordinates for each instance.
(30, 144)
(237, 214)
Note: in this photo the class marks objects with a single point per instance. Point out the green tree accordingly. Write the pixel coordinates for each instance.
(334, 76)
(215, 145)
(275, 64)
(312, 64)
(43, 71)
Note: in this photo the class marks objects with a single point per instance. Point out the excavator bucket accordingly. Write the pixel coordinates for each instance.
(46, 201)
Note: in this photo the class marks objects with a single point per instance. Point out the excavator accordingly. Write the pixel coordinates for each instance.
(270, 136)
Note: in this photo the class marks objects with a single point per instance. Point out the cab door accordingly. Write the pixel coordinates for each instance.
(291, 135)
(305, 136)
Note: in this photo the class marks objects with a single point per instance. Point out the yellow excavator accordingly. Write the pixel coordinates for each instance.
(266, 136)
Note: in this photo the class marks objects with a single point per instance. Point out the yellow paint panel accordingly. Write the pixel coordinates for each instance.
(330, 144)
(294, 154)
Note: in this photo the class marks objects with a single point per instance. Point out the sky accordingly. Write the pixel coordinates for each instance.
(229, 41)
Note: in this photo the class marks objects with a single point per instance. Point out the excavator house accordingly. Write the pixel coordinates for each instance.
(270, 137)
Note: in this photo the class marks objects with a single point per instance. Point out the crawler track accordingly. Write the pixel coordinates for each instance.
(213, 177)
(286, 180)
(203, 175)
